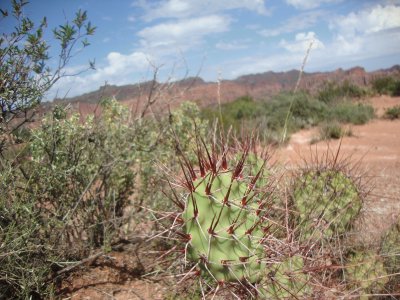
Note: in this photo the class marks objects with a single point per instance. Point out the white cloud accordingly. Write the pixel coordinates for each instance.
(352, 43)
(233, 45)
(182, 34)
(373, 31)
(119, 69)
(302, 42)
(189, 8)
(297, 23)
(309, 4)
(368, 21)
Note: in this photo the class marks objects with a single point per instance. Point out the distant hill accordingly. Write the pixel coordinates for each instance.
(259, 86)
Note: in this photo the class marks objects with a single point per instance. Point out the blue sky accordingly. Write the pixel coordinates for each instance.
(225, 38)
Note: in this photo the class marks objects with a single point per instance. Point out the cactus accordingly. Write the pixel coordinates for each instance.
(286, 280)
(365, 272)
(223, 220)
(327, 202)
(390, 251)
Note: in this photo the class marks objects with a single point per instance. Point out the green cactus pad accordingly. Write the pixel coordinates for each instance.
(286, 280)
(327, 202)
(225, 238)
(364, 270)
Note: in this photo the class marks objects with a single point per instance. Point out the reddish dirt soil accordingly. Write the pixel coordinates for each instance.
(376, 146)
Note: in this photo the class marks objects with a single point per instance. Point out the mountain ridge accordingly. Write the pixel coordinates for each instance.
(259, 85)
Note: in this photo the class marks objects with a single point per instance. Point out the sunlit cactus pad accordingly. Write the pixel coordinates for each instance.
(223, 219)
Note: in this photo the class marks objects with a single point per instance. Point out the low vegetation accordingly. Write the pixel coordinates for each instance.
(392, 113)
(386, 85)
(332, 92)
(270, 116)
(333, 130)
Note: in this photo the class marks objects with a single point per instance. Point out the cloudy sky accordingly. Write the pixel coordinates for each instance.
(223, 38)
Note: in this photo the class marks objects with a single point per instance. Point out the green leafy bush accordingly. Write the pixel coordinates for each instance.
(347, 112)
(392, 113)
(333, 130)
(83, 180)
(334, 91)
(304, 111)
(386, 85)
(235, 114)
(69, 199)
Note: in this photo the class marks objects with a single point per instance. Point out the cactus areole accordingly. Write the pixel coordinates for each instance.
(224, 223)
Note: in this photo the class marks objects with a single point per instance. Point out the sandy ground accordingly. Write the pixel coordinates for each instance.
(375, 146)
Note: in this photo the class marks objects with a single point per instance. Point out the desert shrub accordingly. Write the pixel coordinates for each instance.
(348, 112)
(28, 256)
(334, 91)
(386, 85)
(269, 117)
(392, 113)
(26, 74)
(82, 173)
(82, 182)
(331, 131)
(68, 200)
(234, 114)
(167, 139)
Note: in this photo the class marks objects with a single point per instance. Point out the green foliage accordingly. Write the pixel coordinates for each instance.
(70, 197)
(235, 113)
(327, 202)
(270, 117)
(75, 191)
(32, 232)
(333, 91)
(333, 130)
(304, 111)
(347, 112)
(24, 69)
(83, 171)
(364, 271)
(390, 251)
(393, 113)
(159, 146)
(386, 85)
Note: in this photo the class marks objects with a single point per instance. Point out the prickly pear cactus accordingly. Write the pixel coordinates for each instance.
(286, 280)
(390, 251)
(224, 224)
(365, 272)
(327, 202)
